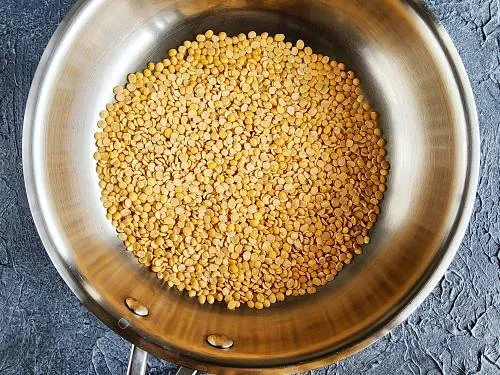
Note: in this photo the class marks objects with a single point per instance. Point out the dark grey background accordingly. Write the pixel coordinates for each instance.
(45, 330)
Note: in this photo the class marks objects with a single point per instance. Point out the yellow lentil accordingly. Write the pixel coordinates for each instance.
(242, 169)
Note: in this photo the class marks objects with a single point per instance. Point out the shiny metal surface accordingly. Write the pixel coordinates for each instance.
(186, 371)
(138, 361)
(136, 307)
(220, 341)
(414, 79)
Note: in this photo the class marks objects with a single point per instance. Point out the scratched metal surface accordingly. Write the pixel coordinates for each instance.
(45, 330)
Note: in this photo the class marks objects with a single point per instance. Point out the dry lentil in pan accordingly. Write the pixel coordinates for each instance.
(242, 169)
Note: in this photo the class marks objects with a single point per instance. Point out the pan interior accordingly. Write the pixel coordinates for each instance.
(407, 79)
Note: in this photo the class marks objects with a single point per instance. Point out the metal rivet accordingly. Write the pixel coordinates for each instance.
(123, 323)
(220, 341)
(136, 307)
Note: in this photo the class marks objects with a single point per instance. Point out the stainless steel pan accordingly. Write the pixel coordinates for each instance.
(415, 80)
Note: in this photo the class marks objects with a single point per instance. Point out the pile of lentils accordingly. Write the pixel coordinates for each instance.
(242, 169)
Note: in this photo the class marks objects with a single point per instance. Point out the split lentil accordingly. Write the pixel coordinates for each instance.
(242, 169)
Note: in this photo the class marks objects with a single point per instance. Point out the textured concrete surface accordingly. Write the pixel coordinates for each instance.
(45, 330)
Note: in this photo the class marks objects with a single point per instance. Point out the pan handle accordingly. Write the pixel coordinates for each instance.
(186, 371)
(138, 362)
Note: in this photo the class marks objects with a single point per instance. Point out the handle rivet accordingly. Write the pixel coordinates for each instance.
(136, 307)
(220, 341)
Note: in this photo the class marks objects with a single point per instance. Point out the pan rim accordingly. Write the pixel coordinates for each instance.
(398, 313)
